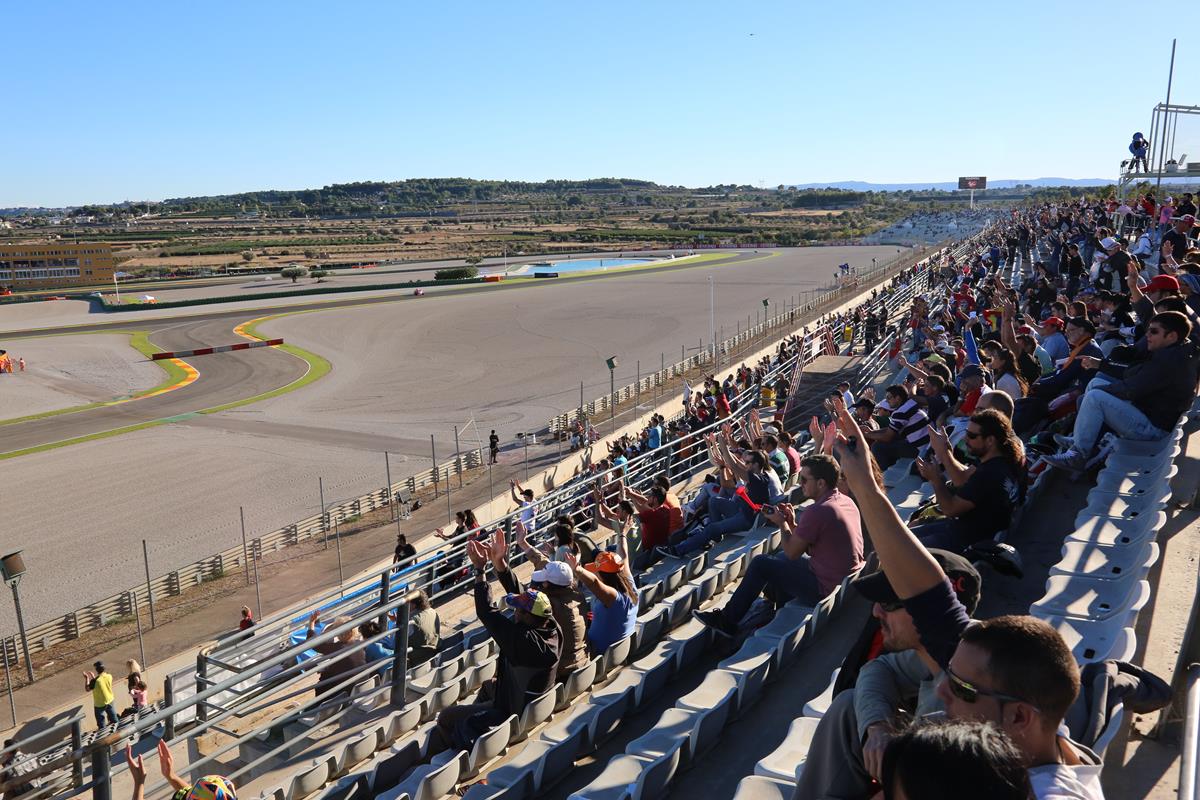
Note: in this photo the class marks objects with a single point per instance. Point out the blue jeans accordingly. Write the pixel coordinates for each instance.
(106, 711)
(1098, 409)
(725, 515)
(788, 577)
(944, 534)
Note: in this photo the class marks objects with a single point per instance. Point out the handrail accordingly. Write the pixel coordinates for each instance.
(1189, 760)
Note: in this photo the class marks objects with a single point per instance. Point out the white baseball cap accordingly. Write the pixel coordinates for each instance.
(555, 572)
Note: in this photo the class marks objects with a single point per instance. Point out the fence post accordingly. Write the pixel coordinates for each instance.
(400, 657)
(149, 591)
(387, 466)
(245, 550)
(458, 458)
(433, 455)
(101, 769)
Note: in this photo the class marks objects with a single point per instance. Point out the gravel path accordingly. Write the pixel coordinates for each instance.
(65, 371)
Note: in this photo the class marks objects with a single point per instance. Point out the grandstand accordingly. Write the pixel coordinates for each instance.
(674, 708)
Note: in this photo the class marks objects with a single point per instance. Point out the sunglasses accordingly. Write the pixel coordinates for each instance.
(970, 693)
(974, 434)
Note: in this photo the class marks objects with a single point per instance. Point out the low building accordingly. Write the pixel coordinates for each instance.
(53, 265)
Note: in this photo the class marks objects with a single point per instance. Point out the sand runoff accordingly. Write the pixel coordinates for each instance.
(66, 371)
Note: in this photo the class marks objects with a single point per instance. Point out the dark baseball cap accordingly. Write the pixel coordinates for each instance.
(962, 574)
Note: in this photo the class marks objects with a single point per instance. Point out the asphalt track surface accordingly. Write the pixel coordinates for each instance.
(509, 356)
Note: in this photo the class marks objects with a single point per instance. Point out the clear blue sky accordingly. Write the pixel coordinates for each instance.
(108, 102)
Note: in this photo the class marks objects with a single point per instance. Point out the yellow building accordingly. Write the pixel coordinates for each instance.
(50, 265)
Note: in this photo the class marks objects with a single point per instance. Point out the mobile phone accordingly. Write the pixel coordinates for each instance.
(768, 509)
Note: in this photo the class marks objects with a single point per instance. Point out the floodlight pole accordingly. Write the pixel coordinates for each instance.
(1162, 151)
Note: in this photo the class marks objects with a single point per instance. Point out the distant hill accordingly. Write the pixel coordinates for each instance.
(1003, 183)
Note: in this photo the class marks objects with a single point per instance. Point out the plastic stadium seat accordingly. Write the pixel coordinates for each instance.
(429, 781)
(790, 634)
(576, 684)
(310, 780)
(611, 710)
(1110, 532)
(786, 761)
(358, 750)
(649, 630)
(616, 655)
(536, 711)
(820, 704)
(1114, 506)
(1081, 598)
(1105, 563)
(1119, 483)
(440, 699)
(717, 687)
(1097, 640)
(679, 605)
(735, 567)
(751, 670)
(392, 766)
(687, 730)
(707, 584)
(649, 595)
(689, 642)
(757, 787)
(487, 748)
(544, 762)
(356, 786)
(631, 778)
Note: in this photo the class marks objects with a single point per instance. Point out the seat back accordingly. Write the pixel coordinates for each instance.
(310, 780)
(615, 655)
(560, 759)
(610, 716)
(489, 746)
(577, 683)
(361, 748)
(536, 712)
(391, 769)
(440, 782)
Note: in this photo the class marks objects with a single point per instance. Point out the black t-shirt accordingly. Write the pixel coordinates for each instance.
(1179, 243)
(758, 486)
(1185, 208)
(995, 490)
(1113, 271)
(1029, 367)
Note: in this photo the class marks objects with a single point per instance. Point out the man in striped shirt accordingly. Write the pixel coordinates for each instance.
(907, 431)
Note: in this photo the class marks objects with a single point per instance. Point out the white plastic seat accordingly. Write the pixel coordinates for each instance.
(649, 630)
(487, 748)
(820, 704)
(1121, 483)
(706, 585)
(1116, 719)
(758, 787)
(751, 670)
(611, 710)
(401, 722)
(629, 777)
(1105, 563)
(1097, 640)
(1115, 506)
(786, 761)
(689, 731)
(1115, 532)
(1081, 598)
(359, 749)
(614, 656)
(717, 687)
(679, 605)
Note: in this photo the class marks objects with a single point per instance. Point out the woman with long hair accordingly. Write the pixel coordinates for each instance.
(1008, 376)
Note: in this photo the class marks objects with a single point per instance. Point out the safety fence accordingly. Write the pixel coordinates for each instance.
(125, 606)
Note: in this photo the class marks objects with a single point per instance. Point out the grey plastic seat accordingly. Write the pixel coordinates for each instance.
(358, 750)
(611, 709)
(689, 641)
(431, 781)
(692, 732)
(679, 605)
(786, 761)
(487, 748)
(576, 684)
(1115, 506)
(440, 699)
(751, 670)
(541, 764)
(649, 630)
(401, 722)
(536, 711)
(616, 655)
(310, 780)
(1120, 483)
(706, 585)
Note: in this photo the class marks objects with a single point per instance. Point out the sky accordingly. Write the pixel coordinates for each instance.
(122, 101)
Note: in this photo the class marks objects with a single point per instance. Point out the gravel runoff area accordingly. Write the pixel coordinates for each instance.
(65, 371)
(510, 359)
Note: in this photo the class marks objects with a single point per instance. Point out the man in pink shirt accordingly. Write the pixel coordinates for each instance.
(822, 545)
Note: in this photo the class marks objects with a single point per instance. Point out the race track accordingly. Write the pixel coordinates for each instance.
(403, 368)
